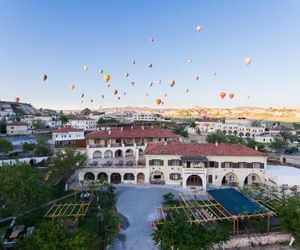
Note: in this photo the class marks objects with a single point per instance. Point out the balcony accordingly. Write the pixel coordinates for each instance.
(118, 162)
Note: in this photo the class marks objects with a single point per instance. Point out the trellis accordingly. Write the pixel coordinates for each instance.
(76, 210)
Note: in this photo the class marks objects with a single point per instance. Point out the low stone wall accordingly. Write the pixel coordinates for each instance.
(255, 240)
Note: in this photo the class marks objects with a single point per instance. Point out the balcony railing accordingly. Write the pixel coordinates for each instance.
(116, 162)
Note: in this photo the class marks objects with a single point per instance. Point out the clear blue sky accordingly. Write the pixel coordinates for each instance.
(58, 38)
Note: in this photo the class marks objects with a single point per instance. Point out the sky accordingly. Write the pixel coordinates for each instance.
(58, 38)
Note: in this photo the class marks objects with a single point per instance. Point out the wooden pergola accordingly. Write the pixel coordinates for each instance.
(201, 207)
(75, 210)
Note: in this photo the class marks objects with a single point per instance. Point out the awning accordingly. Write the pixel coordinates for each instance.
(194, 158)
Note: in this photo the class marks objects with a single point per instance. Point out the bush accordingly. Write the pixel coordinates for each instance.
(291, 150)
(5, 145)
(27, 147)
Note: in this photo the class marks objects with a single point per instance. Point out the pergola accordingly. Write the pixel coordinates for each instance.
(200, 207)
(75, 210)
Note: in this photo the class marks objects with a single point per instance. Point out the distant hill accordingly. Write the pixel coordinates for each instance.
(25, 109)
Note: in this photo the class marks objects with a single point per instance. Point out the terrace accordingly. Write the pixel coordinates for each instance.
(129, 161)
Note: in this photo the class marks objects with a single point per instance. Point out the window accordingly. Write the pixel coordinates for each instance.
(231, 178)
(156, 162)
(175, 176)
(242, 164)
(175, 162)
(227, 164)
(256, 164)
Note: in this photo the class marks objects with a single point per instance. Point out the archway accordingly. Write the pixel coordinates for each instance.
(194, 180)
(128, 177)
(102, 176)
(89, 176)
(235, 132)
(119, 153)
(252, 179)
(230, 179)
(115, 178)
(129, 153)
(97, 155)
(157, 177)
(241, 134)
(140, 178)
(108, 154)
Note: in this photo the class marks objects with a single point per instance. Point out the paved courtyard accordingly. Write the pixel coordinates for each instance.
(137, 203)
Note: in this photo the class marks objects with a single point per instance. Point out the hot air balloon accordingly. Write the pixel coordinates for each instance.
(82, 95)
(108, 85)
(248, 97)
(198, 28)
(247, 61)
(85, 67)
(215, 73)
(119, 98)
(115, 92)
(231, 95)
(101, 71)
(124, 93)
(150, 65)
(126, 75)
(187, 90)
(133, 62)
(197, 78)
(44, 77)
(158, 101)
(17, 99)
(147, 94)
(151, 40)
(165, 95)
(162, 103)
(159, 81)
(132, 84)
(222, 95)
(102, 96)
(91, 100)
(106, 78)
(150, 83)
(72, 86)
(190, 61)
(171, 82)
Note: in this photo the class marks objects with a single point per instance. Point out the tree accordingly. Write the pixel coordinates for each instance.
(181, 235)
(218, 136)
(291, 150)
(39, 124)
(288, 136)
(49, 235)
(63, 118)
(5, 145)
(253, 144)
(193, 124)
(65, 163)
(180, 131)
(42, 148)
(3, 126)
(278, 144)
(27, 147)
(289, 216)
(22, 188)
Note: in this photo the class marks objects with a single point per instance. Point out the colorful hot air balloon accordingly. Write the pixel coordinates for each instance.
(158, 101)
(85, 67)
(91, 100)
(222, 95)
(198, 28)
(126, 75)
(132, 84)
(72, 86)
(151, 40)
(133, 62)
(124, 93)
(17, 99)
(187, 90)
(231, 95)
(106, 78)
(108, 85)
(115, 92)
(43, 77)
(101, 71)
(119, 98)
(247, 61)
(102, 96)
(150, 83)
(82, 95)
(197, 78)
(150, 65)
(171, 82)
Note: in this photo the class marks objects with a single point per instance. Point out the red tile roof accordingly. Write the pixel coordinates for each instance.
(196, 149)
(135, 132)
(281, 128)
(67, 130)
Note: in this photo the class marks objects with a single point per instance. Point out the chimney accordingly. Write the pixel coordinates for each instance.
(216, 144)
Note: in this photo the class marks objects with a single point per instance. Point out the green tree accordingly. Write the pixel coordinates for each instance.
(3, 126)
(278, 144)
(253, 144)
(27, 147)
(5, 145)
(180, 131)
(291, 150)
(22, 188)
(50, 236)
(193, 124)
(39, 124)
(42, 148)
(65, 163)
(63, 118)
(288, 136)
(289, 216)
(181, 235)
(217, 136)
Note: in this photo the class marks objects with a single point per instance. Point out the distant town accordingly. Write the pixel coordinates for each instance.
(200, 154)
